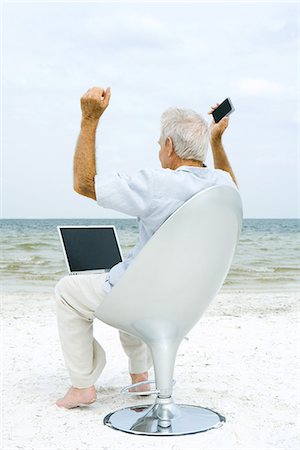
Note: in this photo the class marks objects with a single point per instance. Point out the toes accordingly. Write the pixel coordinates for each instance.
(64, 403)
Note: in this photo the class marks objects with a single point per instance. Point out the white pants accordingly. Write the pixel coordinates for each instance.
(77, 298)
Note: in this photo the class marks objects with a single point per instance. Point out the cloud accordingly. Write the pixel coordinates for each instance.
(259, 86)
(127, 30)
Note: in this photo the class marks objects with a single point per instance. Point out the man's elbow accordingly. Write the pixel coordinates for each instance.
(85, 190)
(234, 180)
(232, 176)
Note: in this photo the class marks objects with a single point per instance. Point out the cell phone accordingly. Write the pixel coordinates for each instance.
(224, 109)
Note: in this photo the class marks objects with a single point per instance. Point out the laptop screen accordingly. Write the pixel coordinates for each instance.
(90, 248)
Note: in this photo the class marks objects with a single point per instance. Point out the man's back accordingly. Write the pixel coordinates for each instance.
(152, 195)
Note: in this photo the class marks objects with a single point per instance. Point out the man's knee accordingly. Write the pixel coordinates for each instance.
(64, 295)
(61, 287)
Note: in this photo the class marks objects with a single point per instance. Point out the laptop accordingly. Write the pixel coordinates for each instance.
(90, 249)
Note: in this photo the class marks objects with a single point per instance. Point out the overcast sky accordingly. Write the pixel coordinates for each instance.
(153, 55)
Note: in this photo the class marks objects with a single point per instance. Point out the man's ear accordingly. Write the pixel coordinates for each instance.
(169, 146)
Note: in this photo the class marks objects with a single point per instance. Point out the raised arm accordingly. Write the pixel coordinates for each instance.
(220, 158)
(93, 104)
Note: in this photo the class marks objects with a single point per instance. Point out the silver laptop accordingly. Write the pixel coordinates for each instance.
(90, 249)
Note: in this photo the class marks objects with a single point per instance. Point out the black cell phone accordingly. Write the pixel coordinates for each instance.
(224, 109)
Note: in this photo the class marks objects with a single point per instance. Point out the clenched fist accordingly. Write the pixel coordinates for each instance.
(94, 102)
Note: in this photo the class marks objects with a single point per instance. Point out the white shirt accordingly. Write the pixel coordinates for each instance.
(151, 195)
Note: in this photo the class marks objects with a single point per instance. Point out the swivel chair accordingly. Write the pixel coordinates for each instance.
(163, 294)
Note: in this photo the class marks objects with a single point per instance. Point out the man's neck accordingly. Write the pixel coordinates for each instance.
(189, 162)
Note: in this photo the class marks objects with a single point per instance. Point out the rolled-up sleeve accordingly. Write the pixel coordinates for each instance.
(129, 194)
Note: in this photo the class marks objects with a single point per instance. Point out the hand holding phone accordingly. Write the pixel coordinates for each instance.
(219, 112)
(222, 110)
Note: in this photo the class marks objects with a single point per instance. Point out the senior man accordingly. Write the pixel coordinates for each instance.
(151, 195)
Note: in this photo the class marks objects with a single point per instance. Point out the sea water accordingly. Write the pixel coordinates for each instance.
(266, 259)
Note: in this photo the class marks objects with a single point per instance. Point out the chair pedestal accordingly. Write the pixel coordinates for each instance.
(164, 418)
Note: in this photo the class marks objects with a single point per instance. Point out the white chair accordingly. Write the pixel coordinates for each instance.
(163, 294)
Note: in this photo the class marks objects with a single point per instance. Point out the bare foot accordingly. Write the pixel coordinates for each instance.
(77, 397)
(137, 378)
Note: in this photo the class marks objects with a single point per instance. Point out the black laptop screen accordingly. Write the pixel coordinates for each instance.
(90, 248)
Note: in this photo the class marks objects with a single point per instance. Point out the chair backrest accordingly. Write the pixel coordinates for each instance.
(169, 284)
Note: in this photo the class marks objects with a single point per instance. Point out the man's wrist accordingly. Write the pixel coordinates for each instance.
(216, 139)
(87, 122)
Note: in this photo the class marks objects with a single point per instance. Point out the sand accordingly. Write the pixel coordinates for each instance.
(240, 360)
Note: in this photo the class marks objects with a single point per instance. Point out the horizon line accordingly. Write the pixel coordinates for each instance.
(126, 218)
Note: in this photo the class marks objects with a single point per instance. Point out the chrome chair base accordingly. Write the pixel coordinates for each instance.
(164, 418)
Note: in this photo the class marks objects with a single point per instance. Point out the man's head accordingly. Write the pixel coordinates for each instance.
(184, 138)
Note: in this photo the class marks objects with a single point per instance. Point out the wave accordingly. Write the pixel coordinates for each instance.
(248, 269)
(33, 245)
(287, 269)
(29, 261)
(264, 269)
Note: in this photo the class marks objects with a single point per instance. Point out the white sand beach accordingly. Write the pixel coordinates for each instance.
(240, 360)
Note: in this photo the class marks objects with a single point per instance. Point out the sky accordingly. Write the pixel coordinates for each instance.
(153, 55)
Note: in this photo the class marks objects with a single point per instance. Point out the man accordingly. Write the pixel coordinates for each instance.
(151, 195)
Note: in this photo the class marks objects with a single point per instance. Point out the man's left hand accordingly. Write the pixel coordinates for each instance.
(217, 129)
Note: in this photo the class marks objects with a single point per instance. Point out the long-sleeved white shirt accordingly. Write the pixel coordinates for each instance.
(151, 195)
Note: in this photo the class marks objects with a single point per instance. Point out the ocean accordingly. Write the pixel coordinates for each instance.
(267, 257)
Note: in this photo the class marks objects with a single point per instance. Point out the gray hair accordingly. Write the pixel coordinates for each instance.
(189, 132)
